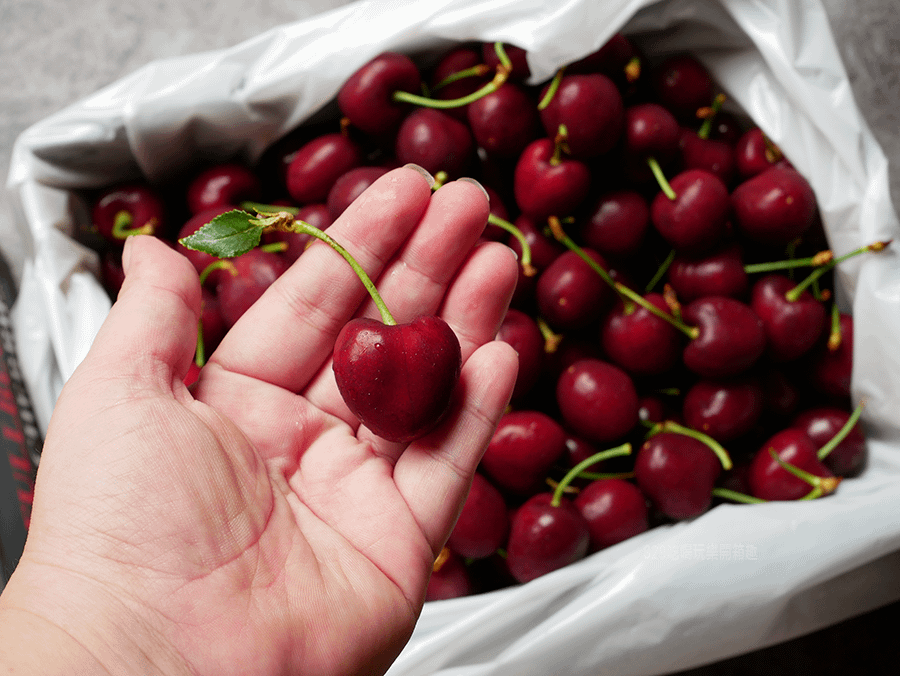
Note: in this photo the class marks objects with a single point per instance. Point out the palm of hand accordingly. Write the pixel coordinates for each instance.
(260, 528)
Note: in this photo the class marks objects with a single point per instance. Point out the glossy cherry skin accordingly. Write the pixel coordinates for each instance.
(524, 446)
(774, 207)
(518, 57)
(222, 185)
(435, 141)
(570, 293)
(717, 273)
(242, 286)
(351, 185)
(505, 121)
(696, 221)
(522, 332)
(211, 320)
(544, 537)
(544, 249)
(318, 163)
(590, 106)
(714, 156)
(821, 424)
(731, 337)
(140, 203)
(449, 578)
(792, 327)
(397, 380)
(769, 481)
(597, 400)
(454, 61)
(832, 369)
(611, 59)
(724, 409)
(483, 523)
(638, 340)
(366, 97)
(754, 154)
(547, 185)
(683, 85)
(677, 473)
(650, 131)
(614, 509)
(617, 223)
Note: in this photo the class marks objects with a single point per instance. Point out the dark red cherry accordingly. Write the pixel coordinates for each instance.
(570, 294)
(397, 380)
(724, 409)
(821, 424)
(366, 97)
(545, 537)
(638, 340)
(211, 320)
(242, 284)
(612, 59)
(449, 578)
(792, 327)
(522, 332)
(132, 208)
(435, 141)
(318, 164)
(614, 509)
(483, 523)
(544, 249)
(768, 480)
(832, 366)
(518, 57)
(650, 131)
(617, 223)
(683, 85)
(774, 207)
(548, 183)
(222, 185)
(717, 273)
(730, 337)
(754, 153)
(504, 122)
(677, 473)
(591, 109)
(714, 156)
(597, 400)
(457, 60)
(696, 221)
(522, 450)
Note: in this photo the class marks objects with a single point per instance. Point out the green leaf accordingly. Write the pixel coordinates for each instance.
(226, 236)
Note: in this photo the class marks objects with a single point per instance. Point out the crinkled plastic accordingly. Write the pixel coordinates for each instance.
(732, 580)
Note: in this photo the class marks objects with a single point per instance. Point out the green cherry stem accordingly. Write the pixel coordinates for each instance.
(660, 272)
(821, 258)
(624, 449)
(221, 264)
(690, 331)
(715, 446)
(736, 496)
(709, 116)
(527, 268)
(122, 226)
(835, 337)
(660, 177)
(814, 276)
(842, 433)
(552, 89)
(475, 71)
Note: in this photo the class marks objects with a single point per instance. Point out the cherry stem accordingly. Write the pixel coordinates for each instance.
(821, 258)
(551, 339)
(835, 337)
(715, 446)
(633, 69)
(661, 178)
(440, 560)
(552, 89)
(220, 264)
(660, 271)
(200, 350)
(475, 71)
(773, 152)
(560, 235)
(284, 221)
(821, 485)
(842, 433)
(618, 451)
(560, 145)
(596, 476)
(690, 331)
(735, 496)
(122, 226)
(814, 276)
(709, 115)
(527, 268)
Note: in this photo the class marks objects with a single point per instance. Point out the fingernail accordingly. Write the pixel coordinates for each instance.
(427, 176)
(467, 179)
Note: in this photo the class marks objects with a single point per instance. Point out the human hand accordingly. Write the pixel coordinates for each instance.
(249, 526)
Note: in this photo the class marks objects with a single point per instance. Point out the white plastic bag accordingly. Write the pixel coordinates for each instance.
(732, 580)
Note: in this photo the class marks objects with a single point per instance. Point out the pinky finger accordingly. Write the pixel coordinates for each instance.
(434, 474)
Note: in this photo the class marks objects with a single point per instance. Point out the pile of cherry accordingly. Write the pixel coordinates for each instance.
(678, 340)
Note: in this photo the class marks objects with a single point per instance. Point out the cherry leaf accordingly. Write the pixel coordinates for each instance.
(227, 235)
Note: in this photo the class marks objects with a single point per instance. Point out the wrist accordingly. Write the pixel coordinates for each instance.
(59, 622)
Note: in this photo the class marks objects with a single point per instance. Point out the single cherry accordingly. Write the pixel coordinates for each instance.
(717, 273)
(522, 450)
(547, 182)
(712, 155)
(616, 223)
(590, 108)
(768, 480)
(435, 141)
(397, 379)
(614, 510)
(724, 409)
(504, 122)
(222, 185)
(242, 282)
(597, 400)
(695, 220)
(366, 98)
(522, 332)
(128, 209)
(351, 185)
(683, 85)
(318, 163)
(570, 294)
(821, 424)
(483, 523)
(449, 578)
(774, 207)
(832, 363)
(639, 341)
(754, 153)
(792, 326)
(446, 83)
(730, 337)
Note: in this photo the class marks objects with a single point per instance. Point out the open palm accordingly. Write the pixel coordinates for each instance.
(250, 525)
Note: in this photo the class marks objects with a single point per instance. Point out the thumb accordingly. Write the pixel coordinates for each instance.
(151, 330)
